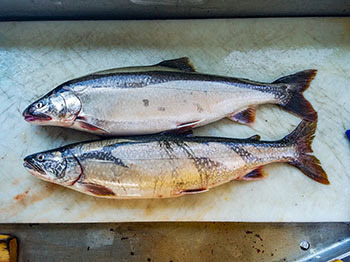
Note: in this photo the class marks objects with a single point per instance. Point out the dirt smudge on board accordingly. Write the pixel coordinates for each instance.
(21, 197)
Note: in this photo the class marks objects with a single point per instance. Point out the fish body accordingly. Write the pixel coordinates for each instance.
(164, 166)
(168, 96)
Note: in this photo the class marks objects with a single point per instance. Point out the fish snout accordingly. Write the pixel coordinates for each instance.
(31, 166)
(27, 114)
(30, 115)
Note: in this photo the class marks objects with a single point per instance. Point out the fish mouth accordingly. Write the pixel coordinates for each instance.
(33, 168)
(37, 117)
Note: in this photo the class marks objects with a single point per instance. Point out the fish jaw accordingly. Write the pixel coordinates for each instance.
(33, 169)
(37, 119)
(45, 120)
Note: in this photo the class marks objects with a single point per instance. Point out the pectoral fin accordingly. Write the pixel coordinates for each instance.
(82, 122)
(98, 190)
(256, 174)
(244, 116)
(182, 64)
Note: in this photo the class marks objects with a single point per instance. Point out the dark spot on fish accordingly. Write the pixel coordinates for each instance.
(238, 149)
(185, 101)
(249, 232)
(88, 248)
(161, 108)
(132, 253)
(145, 102)
(124, 238)
(258, 250)
(166, 144)
(111, 230)
(258, 236)
(272, 254)
(160, 196)
(148, 259)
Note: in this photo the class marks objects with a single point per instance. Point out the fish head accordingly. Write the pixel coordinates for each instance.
(60, 167)
(58, 108)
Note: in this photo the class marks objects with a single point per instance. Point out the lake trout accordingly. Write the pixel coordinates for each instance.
(168, 96)
(167, 166)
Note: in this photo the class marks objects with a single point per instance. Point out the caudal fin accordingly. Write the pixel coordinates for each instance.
(294, 99)
(302, 137)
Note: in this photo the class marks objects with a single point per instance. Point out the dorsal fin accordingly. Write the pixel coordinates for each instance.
(182, 64)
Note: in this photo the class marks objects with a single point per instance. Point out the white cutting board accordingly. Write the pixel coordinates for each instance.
(37, 56)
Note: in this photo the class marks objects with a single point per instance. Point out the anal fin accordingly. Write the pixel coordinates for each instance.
(256, 174)
(244, 116)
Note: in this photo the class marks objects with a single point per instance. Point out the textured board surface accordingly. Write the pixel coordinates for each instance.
(37, 56)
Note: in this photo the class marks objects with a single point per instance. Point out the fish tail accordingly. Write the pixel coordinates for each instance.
(302, 138)
(294, 100)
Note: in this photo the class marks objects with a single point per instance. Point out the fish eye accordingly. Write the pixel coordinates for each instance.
(40, 157)
(39, 105)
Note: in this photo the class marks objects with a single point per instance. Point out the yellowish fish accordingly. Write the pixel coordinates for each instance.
(163, 166)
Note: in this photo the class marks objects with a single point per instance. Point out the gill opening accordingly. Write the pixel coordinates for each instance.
(81, 169)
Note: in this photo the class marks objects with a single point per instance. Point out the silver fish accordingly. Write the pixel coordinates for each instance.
(166, 166)
(163, 97)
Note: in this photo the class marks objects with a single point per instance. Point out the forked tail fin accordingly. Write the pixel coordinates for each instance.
(294, 100)
(302, 137)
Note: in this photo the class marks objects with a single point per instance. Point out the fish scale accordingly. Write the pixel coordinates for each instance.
(163, 166)
(169, 96)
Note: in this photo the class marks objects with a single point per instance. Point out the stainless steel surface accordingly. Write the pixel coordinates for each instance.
(181, 241)
(156, 9)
